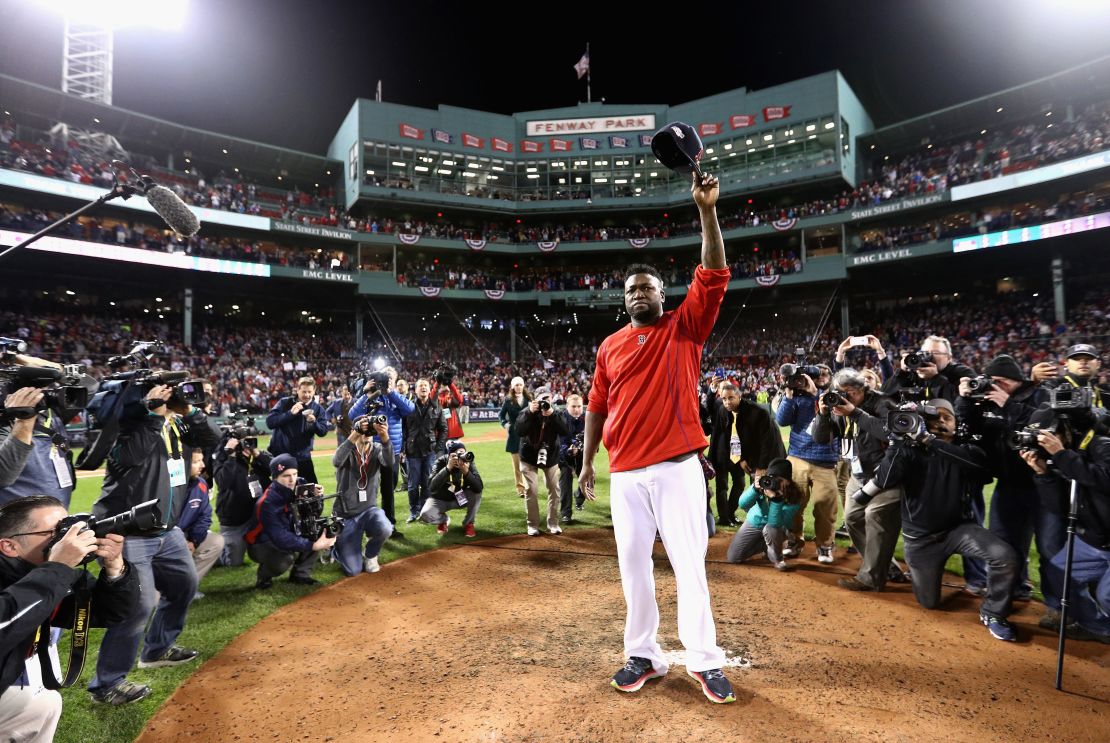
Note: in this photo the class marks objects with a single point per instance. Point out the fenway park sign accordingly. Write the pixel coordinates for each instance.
(587, 126)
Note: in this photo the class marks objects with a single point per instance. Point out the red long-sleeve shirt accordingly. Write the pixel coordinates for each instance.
(645, 380)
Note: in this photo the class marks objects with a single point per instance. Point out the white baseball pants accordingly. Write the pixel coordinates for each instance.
(668, 497)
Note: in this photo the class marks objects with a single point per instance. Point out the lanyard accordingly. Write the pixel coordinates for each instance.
(1094, 390)
(364, 467)
(172, 447)
(1087, 440)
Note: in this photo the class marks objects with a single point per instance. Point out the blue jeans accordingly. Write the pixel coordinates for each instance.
(1089, 566)
(1017, 515)
(162, 564)
(420, 475)
(375, 525)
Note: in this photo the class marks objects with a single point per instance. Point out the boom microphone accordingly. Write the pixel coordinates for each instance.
(173, 210)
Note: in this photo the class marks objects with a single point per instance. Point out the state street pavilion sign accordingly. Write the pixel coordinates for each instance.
(313, 230)
(601, 124)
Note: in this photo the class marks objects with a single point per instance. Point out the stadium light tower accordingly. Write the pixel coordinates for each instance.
(89, 28)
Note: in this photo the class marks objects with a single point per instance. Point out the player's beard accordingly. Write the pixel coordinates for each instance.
(647, 315)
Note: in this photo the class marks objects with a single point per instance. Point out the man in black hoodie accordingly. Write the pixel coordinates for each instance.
(1016, 514)
(937, 476)
(148, 461)
(38, 584)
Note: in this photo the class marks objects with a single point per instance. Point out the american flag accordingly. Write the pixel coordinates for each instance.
(582, 66)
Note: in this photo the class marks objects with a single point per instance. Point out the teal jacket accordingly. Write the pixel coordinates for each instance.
(761, 511)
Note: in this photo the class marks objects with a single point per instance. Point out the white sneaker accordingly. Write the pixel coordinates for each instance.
(372, 565)
(533, 532)
(825, 555)
(555, 530)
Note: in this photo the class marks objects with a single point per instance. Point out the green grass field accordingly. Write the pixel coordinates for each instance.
(232, 605)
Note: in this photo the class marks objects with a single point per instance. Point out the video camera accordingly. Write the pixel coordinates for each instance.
(309, 521)
(446, 374)
(1073, 410)
(909, 420)
(144, 519)
(794, 376)
(241, 425)
(369, 382)
(11, 347)
(62, 389)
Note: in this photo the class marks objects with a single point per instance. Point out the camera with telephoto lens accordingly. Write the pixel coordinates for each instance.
(914, 360)
(240, 425)
(768, 482)
(831, 399)
(466, 456)
(544, 405)
(1073, 409)
(309, 521)
(980, 386)
(365, 424)
(909, 419)
(144, 519)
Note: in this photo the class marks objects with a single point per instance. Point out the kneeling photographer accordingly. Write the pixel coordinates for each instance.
(242, 474)
(359, 462)
(856, 416)
(1061, 446)
(771, 502)
(992, 405)
(455, 484)
(937, 475)
(275, 537)
(39, 588)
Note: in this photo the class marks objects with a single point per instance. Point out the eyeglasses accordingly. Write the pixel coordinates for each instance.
(30, 534)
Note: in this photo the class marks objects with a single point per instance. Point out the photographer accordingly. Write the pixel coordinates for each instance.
(34, 450)
(992, 406)
(515, 402)
(1074, 452)
(813, 466)
(771, 502)
(855, 352)
(272, 540)
(338, 414)
(928, 373)
(455, 484)
(39, 584)
(359, 462)
(742, 441)
(293, 422)
(1081, 366)
(937, 475)
(425, 438)
(206, 546)
(382, 395)
(147, 462)
(856, 416)
(570, 458)
(242, 475)
(539, 429)
(450, 399)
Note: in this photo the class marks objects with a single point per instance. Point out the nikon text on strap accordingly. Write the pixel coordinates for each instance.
(79, 645)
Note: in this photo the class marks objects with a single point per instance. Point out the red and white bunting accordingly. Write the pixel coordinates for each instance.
(547, 245)
(639, 242)
(495, 293)
(527, 145)
(770, 113)
(408, 239)
(501, 145)
(560, 145)
(469, 140)
(476, 244)
(784, 225)
(767, 280)
(430, 291)
(706, 130)
(739, 121)
(410, 131)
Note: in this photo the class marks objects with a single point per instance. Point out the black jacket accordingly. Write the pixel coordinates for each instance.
(866, 427)
(537, 432)
(936, 480)
(575, 427)
(136, 466)
(425, 429)
(995, 425)
(29, 594)
(945, 384)
(233, 473)
(760, 440)
(1090, 469)
(442, 477)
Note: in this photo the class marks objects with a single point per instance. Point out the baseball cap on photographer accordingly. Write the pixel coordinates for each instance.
(541, 391)
(282, 462)
(1082, 349)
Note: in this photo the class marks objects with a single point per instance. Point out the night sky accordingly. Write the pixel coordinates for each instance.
(285, 72)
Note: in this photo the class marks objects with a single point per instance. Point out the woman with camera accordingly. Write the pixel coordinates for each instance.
(515, 402)
(771, 504)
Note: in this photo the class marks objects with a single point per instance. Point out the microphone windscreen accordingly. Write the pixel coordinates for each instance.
(172, 209)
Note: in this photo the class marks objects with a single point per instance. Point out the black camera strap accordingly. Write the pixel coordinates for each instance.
(79, 642)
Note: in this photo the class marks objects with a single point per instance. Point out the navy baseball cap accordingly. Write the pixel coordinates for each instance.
(678, 147)
(1082, 349)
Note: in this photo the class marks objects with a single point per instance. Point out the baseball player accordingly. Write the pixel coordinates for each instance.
(643, 404)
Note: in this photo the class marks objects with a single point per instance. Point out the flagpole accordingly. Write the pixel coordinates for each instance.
(588, 66)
